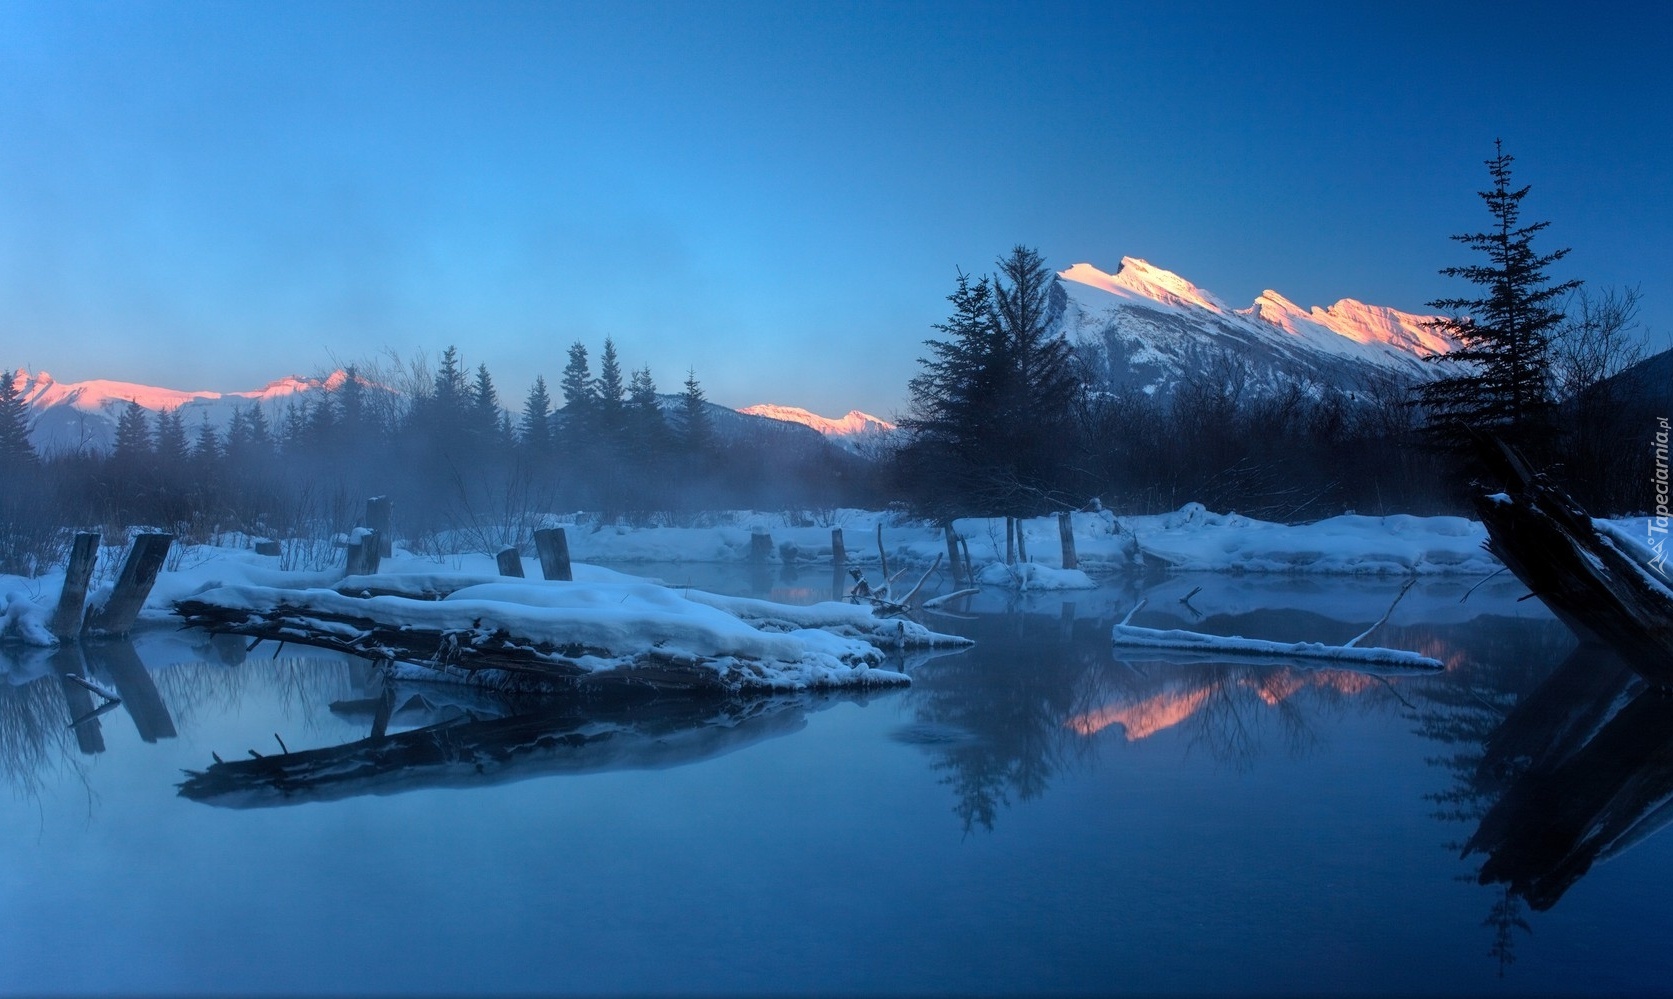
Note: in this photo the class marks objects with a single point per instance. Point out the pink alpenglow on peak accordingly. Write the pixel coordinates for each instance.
(1137, 278)
(41, 390)
(1355, 320)
(852, 424)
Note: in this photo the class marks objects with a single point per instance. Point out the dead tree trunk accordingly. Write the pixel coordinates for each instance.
(1596, 586)
(952, 554)
(1066, 534)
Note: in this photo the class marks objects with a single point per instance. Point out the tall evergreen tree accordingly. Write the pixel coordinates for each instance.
(990, 420)
(448, 392)
(1506, 331)
(206, 446)
(696, 433)
(133, 437)
(579, 403)
(611, 393)
(534, 430)
(15, 448)
(485, 407)
(172, 450)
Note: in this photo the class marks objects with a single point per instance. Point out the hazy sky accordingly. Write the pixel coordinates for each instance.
(777, 194)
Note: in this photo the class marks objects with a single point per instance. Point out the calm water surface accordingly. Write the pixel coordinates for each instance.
(1036, 814)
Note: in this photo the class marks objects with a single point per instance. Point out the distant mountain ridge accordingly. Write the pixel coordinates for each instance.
(1148, 328)
(854, 423)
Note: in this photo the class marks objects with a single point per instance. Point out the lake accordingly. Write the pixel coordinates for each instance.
(1041, 813)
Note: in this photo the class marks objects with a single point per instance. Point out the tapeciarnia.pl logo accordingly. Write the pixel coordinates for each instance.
(1658, 481)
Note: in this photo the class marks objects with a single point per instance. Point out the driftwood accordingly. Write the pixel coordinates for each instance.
(1588, 578)
(540, 665)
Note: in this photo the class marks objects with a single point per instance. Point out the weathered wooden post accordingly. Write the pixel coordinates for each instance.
(510, 562)
(1022, 543)
(380, 516)
(552, 544)
(952, 553)
(760, 546)
(364, 553)
(66, 620)
(1010, 541)
(839, 554)
(1066, 533)
(139, 572)
(268, 547)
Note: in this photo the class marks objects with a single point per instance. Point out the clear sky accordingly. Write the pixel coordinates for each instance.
(776, 194)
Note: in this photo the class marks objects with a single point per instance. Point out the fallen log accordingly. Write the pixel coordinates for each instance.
(603, 638)
(1587, 577)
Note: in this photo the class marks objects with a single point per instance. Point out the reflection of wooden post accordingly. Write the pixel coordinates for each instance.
(510, 562)
(90, 738)
(380, 514)
(839, 554)
(145, 560)
(952, 553)
(134, 685)
(760, 546)
(66, 620)
(1066, 533)
(553, 547)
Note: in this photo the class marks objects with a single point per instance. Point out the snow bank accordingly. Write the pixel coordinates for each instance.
(1193, 539)
(603, 627)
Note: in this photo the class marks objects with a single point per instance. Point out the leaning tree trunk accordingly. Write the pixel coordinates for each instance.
(1596, 586)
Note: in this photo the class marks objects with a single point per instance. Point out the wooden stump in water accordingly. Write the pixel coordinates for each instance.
(1066, 533)
(952, 554)
(552, 544)
(380, 515)
(139, 573)
(66, 620)
(839, 555)
(760, 546)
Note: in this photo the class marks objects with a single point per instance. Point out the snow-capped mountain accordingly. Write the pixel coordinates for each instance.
(69, 416)
(853, 424)
(1146, 327)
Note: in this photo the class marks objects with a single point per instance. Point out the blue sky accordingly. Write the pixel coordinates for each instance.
(777, 194)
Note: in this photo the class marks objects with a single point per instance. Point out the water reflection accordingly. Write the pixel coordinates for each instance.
(470, 739)
(1579, 772)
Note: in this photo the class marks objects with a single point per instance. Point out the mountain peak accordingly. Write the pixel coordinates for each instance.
(1137, 278)
(855, 422)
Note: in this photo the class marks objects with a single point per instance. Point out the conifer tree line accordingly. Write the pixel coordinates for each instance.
(439, 440)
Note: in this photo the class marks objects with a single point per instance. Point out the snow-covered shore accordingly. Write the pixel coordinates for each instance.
(1189, 540)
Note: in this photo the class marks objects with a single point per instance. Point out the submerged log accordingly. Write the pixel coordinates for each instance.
(1588, 576)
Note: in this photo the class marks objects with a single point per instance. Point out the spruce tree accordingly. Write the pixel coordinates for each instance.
(172, 451)
(485, 408)
(990, 421)
(15, 449)
(578, 399)
(1505, 332)
(206, 446)
(133, 437)
(534, 431)
(696, 434)
(612, 394)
